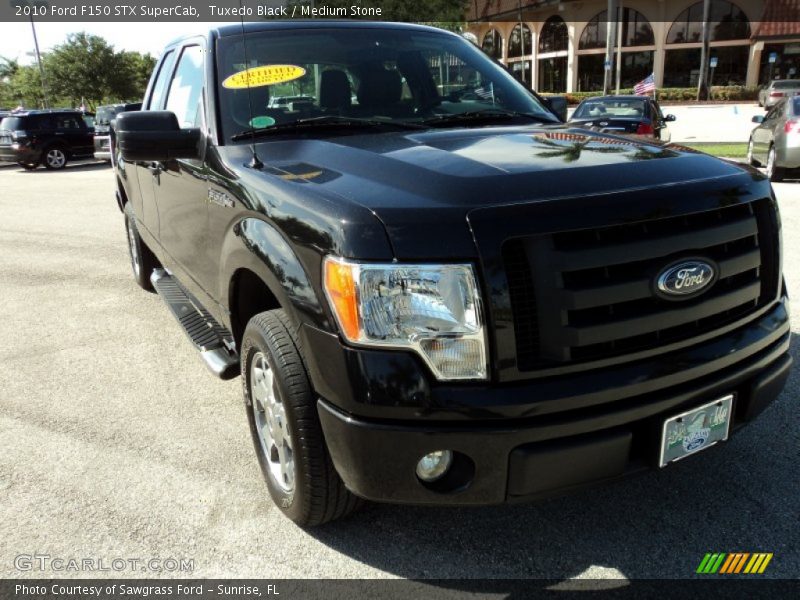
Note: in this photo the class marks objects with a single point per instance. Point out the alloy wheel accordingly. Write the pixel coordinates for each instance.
(271, 424)
(56, 158)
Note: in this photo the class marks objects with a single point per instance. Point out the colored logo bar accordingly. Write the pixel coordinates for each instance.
(734, 563)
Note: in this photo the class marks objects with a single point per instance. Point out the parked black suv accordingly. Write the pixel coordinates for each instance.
(434, 290)
(102, 127)
(52, 137)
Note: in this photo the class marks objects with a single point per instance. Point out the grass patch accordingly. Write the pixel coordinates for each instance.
(738, 150)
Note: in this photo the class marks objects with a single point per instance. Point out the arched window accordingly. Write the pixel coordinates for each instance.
(493, 44)
(636, 31)
(727, 22)
(554, 36)
(520, 44)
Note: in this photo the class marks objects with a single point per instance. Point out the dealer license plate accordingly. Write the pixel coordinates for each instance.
(695, 430)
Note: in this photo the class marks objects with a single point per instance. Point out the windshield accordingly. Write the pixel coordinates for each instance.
(786, 84)
(394, 75)
(608, 107)
(105, 114)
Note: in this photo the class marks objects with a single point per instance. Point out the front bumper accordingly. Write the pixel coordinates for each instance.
(552, 452)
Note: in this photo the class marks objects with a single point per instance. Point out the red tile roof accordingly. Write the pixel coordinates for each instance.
(781, 18)
(486, 9)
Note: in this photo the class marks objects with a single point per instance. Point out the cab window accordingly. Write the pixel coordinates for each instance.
(160, 85)
(186, 88)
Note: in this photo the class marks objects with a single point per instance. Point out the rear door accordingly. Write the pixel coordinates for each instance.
(71, 128)
(762, 136)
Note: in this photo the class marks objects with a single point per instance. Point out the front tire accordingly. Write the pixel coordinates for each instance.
(774, 172)
(284, 424)
(55, 158)
(143, 261)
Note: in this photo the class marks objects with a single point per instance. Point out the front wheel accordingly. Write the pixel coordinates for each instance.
(285, 427)
(55, 158)
(774, 172)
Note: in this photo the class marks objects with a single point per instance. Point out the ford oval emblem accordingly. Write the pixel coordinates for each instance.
(686, 278)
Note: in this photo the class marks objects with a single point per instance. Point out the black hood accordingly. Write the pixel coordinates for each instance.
(447, 173)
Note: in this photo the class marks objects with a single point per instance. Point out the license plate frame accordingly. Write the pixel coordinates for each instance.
(695, 430)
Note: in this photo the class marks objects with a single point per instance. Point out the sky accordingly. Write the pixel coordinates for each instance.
(16, 39)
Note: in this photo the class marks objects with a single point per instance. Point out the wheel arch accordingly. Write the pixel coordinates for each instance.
(260, 271)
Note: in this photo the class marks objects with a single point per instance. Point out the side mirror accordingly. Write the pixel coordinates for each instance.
(758, 119)
(558, 104)
(154, 136)
(670, 118)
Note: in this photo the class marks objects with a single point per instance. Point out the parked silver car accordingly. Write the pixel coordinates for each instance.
(779, 88)
(776, 141)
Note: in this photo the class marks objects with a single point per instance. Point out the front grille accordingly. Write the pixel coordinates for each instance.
(584, 295)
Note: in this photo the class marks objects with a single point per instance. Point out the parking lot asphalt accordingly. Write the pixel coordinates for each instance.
(115, 442)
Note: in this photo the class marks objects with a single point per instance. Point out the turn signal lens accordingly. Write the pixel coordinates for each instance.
(340, 285)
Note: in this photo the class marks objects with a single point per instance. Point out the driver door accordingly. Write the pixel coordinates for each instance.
(181, 185)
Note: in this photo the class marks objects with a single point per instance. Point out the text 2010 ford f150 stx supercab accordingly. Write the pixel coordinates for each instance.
(435, 291)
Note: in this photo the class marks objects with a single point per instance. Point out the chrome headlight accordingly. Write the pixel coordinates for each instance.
(434, 310)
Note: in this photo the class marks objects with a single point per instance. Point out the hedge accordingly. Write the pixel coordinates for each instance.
(718, 93)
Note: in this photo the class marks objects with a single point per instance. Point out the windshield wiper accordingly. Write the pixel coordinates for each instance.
(489, 114)
(327, 121)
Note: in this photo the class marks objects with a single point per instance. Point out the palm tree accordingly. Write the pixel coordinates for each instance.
(573, 151)
(8, 67)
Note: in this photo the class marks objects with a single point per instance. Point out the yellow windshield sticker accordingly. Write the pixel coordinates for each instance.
(263, 75)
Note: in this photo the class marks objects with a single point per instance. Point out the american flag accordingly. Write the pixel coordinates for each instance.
(486, 92)
(645, 86)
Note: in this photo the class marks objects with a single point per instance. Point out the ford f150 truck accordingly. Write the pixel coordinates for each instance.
(434, 290)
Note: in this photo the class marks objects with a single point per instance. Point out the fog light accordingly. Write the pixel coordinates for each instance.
(434, 465)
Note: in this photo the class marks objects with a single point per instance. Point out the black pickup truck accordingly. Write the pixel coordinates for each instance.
(435, 291)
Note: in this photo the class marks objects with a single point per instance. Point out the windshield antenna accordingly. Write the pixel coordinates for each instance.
(255, 162)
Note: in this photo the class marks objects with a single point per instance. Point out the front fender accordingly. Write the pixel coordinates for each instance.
(255, 245)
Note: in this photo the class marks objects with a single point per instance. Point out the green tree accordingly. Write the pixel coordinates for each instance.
(8, 69)
(129, 79)
(80, 68)
(24, 88)
(85, 67)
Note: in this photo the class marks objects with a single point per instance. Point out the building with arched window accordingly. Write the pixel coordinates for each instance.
(553, 54)
(561, 46)
(520, 52)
